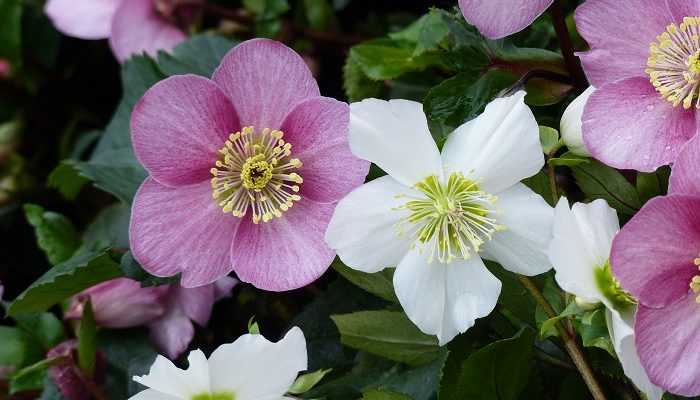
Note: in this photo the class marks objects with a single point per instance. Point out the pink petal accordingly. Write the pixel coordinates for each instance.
(318, 132)
(172, 333)
(178, 127)
(196, 303)
(497, 19)
(619, 34)
(685, 178)
(628, 125)
(653, 254)
(223, 287)
(265, 81)
(285, 253)
(121, 303)
(668, 342)
(137, 28)
(683, 8)
(85, 19)
(181, 230)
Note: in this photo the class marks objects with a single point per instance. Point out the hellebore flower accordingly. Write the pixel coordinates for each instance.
(167, 310)
(579, 253)
(497, 19)
(245, 171)
(656, 257)
(132, 26)
(570, 126)
(251, 368)
(645, 64)
(67, 375)
(434, 216)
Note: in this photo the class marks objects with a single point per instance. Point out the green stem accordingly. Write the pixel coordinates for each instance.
(569, 339)
(567, 47)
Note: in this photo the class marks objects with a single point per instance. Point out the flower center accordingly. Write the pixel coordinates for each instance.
(610, 287)
(255, 172)
(695, 282)
(454, 220)
(214, 396)
(674, 63)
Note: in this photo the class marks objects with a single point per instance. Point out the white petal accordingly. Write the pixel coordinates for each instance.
(395, 136)
(363, 228)
(582, 240)
(166, 378)
(445, 299)
(499, 148)
(522, 246)
(254, 368)
(621, 332)
(570, 125)
(150, 394)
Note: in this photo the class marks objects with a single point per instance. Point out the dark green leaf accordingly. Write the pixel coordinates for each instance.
(66, 279)
(384, 59)
(388, 334)
(33, 376)
(568, 159)
(132, 269)
(116, 172)
(306, 382)
(11, 30)
(599, 181)
(380, 394)
(199, 55)
(652, 184)
(357, 85)
(45, 328)
(54, 233)
(499, 371)
(87, 341)
(129, 353)
(109, 229)
(18, 349)
(379, 283)
(66, 179)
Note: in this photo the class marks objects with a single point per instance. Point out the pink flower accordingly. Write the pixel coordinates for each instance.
(132, 26)
(245, 171)
(4, 68)
(497, 19)
(656, 258)
(167, 310)
(647, 77)
(67, 375)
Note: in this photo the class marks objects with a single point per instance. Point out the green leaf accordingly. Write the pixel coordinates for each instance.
(568, 159)
(199, 55)
(549, 138)
(11, 30)
(599, 181)
(428, 32)
(498, 371)
(306, 382)
(320, 14)
(548, 328)
(87, 341)
(388, 334)
(652, 184)
(594, 331)
(463, 97)
(380, 394)
(253, 327)
(66, 179)
(383, 59)
(54, 233)
(66, 279)
(45, 328)
(539, 183)
(33, 376)
(18, 349)
(133, 270)
(128, 353)
(116, 172)
(379, 283)
(109, 229)
(357, 85)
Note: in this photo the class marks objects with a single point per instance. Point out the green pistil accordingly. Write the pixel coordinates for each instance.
(455, 217)
(214, 396)
(611, 289)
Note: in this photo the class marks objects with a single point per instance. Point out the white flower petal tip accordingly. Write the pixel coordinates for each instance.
(249, 368)
(571, 124)
(499, 148)
(394, 135)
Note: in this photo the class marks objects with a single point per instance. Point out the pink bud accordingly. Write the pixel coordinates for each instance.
(121, 303)
(66, 373)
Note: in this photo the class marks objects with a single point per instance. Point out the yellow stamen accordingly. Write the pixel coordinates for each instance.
(695, 282)
(674, 63)
(256, 173)
(454, 220)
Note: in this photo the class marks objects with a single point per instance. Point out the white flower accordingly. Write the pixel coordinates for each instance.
(435, 215)
(579, 252)
(570, 126)
(251, 368)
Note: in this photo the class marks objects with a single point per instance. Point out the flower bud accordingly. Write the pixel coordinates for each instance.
(121, 303)
(66, 374)
(570, 127)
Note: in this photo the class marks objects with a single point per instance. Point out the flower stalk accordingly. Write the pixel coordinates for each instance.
(567, 47)
(567, 336)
